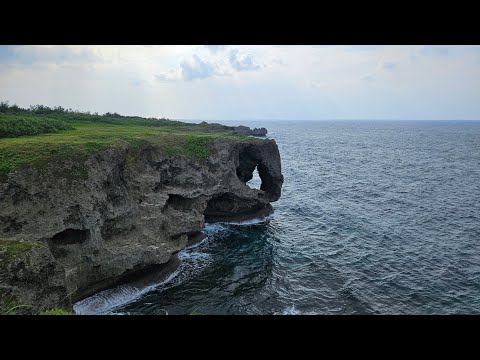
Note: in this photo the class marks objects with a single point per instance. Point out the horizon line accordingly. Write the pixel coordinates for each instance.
(351, 119)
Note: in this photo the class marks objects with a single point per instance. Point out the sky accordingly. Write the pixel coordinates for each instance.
(246, 82)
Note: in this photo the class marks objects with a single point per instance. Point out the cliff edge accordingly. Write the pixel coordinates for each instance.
(76, 227)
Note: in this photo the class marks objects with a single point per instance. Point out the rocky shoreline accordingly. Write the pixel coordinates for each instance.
(122, 215)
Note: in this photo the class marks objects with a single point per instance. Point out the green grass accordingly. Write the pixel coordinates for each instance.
(197, 146)
(56, 312)
(89, 138)
(89, 134)
(12, 250)
(17, 247)
(124, 120)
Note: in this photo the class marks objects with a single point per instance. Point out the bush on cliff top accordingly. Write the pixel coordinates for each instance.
(13, 125)
(198, 146)
(63, 114)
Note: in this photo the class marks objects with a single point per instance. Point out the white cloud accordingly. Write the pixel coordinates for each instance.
(278, 61)
(368, 78)
(242, 62)
(289, 81)
(196, 68)
(215, 48)
(435, 50)
(389, 65)
(319, 84)
(28, 55)
(171, 75)
(190, 69)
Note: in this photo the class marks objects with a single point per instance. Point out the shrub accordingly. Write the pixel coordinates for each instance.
(197, 146)
(17, 125)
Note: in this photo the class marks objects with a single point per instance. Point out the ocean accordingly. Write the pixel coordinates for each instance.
(376, 217)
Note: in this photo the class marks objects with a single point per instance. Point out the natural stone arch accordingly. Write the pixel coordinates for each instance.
(253, 157)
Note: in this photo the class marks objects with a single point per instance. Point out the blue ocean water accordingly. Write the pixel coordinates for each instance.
(376, 217)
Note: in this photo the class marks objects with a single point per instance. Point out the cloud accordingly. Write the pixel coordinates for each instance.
(365, 47)
(206, 66)
(319, 84)
(278, 61)
(389, 65)
(196, 68)
(170, 75)
(435, 50)
(32, 54)
(138, 82)
(313, 82)
(190, 69)
(242, 62)
(368, 78)
(7, 52)
(215, 48)
(380, 67)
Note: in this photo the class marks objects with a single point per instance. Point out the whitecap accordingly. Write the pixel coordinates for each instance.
(255, 221)
(290, 310)
(107, 300)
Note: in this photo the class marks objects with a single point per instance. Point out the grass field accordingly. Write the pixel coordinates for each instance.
(33, 139)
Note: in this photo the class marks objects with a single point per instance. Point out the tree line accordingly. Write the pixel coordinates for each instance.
(5, 107)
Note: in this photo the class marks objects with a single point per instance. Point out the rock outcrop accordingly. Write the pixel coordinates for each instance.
(122, 212)
(238, 130)
(245, 130)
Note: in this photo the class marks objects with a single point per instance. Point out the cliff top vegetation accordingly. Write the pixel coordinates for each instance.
(39, 134)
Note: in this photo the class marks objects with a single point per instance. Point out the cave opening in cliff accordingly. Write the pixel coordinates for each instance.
(63, 243)
(230, 207)
(248, 169)
(70, 236)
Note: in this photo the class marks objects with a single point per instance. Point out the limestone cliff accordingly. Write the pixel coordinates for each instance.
(239, 130)
(121, 212)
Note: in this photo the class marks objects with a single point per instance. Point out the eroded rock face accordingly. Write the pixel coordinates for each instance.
(125, 211)
(245, 130)
(238, 130)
